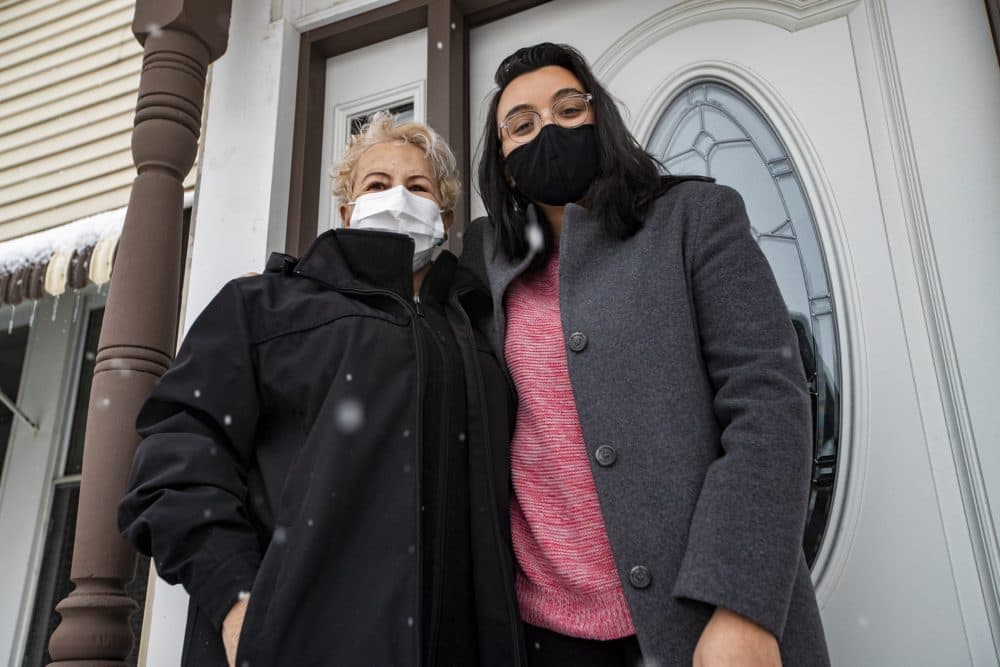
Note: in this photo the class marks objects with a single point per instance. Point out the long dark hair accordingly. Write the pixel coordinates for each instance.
(629, 178)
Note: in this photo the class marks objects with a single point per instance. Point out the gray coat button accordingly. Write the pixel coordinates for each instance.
(606, 455)
(577, 341)
(640, 576)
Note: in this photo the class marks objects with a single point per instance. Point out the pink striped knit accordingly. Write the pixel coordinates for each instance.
(567, 580)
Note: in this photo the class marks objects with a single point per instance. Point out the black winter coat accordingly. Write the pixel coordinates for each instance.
(280, 456)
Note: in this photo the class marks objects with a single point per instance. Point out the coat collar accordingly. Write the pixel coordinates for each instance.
(366, 260)
(361, 260)
(582, 234)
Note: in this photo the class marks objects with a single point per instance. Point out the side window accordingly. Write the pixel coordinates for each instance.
(54, 577)
(712, 129)
(12, 349)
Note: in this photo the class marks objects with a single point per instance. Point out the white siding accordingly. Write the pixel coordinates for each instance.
(69, 75)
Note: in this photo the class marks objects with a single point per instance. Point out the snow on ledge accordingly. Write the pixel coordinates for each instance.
(78, 235)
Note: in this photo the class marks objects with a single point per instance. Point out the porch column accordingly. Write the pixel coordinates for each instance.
(447, 95)
(181, 38)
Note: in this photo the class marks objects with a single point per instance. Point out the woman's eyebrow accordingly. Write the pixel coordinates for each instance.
(562, 92)
(517, 108)
(375, 173)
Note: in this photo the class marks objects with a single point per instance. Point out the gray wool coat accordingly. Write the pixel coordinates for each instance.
(695, 413)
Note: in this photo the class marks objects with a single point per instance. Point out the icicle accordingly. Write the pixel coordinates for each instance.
(76, 304)
(10, 324)
(34, 309)
(55, 307)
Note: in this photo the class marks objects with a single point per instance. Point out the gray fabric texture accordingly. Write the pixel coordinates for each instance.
(691, 373)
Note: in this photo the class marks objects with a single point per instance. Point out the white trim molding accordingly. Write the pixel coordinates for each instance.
(853, 456)
(304, 18)
(792, 15)
(952, 449)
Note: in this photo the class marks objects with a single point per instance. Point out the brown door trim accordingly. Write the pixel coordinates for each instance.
(447, 90)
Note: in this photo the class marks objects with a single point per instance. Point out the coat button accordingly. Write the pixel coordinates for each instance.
(577, 341)
(639, 576)
(606, 455)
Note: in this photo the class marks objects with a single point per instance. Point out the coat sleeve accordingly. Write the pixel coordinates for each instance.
(185, 503)
(744, 546)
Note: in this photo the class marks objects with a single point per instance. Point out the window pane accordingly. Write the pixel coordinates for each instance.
(54, 584)
(12, 346)
(403, 113)
(74, 458)
(712, 129)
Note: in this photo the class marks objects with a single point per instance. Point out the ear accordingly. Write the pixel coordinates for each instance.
(447, 218)
(345, 217)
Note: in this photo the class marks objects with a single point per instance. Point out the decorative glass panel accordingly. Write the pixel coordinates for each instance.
(711, 129)
(403, 112)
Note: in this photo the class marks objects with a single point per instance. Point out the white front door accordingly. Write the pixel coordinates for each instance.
(768, 99)
(390, 75)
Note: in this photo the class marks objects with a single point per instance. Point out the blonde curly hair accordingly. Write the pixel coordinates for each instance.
(383, 127)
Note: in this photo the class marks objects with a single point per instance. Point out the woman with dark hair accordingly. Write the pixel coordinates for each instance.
(661, 453)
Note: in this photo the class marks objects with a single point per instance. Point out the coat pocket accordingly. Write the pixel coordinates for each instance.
(253, 647)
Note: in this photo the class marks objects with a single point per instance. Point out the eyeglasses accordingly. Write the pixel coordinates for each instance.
(568, 111)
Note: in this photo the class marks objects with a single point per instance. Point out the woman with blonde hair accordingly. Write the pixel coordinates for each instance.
(324, 467)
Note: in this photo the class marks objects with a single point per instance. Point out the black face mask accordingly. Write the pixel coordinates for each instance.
(557, 166)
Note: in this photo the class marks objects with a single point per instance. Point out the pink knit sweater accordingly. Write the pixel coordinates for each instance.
(567, 580)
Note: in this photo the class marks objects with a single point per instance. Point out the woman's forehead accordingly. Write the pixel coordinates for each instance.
(395, 158)
(537, 88)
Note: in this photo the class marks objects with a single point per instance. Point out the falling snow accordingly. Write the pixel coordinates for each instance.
(536, 241)
(350, 415)
(244, 595)
(280, 535)
(227, 420)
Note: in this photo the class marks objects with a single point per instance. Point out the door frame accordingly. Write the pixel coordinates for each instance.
(448, 23)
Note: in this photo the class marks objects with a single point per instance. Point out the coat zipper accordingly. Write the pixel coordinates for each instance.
(413, 308)
(434, 627)
(508, 584)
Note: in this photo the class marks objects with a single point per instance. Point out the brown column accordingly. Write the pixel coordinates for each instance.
(447, 95)
(181, 37)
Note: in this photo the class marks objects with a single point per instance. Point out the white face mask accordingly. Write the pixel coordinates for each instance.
(399, 210)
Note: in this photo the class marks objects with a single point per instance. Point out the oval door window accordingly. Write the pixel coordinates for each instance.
(713, 130)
